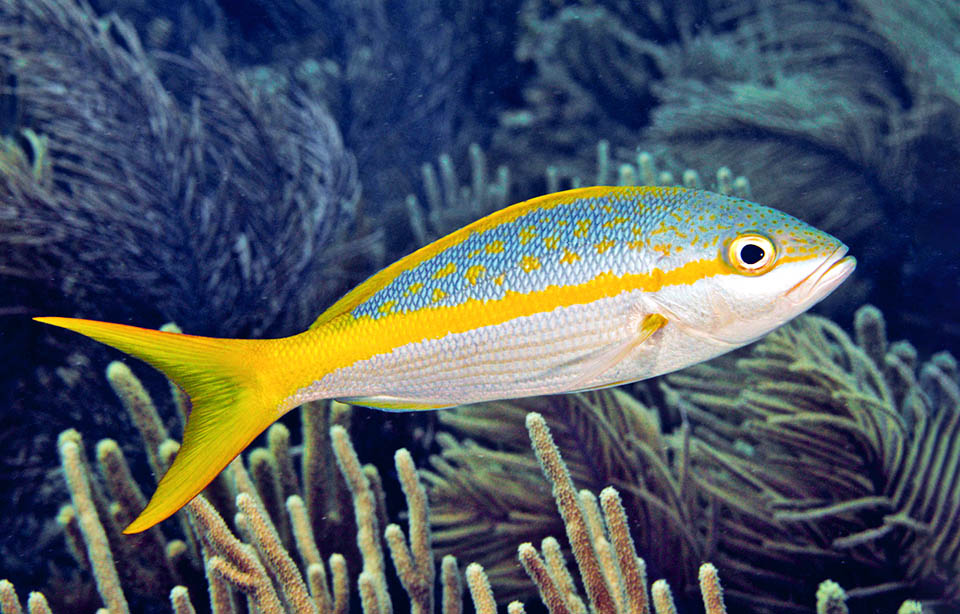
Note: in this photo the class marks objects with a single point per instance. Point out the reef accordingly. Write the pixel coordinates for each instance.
(284, 541)
(804, 457)
(843, 113)
(120, 198)
(235, 166)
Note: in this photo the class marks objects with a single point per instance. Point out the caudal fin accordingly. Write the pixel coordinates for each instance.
(233, 401)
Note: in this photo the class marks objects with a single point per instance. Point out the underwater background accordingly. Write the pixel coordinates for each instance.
(235, 167)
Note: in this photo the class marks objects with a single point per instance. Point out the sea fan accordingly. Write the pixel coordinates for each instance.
(214, 211)
(807, 451)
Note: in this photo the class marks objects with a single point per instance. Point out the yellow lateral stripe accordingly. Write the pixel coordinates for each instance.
(503, 216)
(351, 340)
(354, 340)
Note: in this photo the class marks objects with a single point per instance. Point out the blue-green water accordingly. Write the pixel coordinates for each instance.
(235, 167)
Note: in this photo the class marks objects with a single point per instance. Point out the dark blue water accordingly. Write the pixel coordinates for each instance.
(235, 167)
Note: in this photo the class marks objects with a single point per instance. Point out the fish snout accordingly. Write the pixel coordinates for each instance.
(824, 278)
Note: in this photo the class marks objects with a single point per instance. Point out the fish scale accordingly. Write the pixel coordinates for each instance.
(635, 224)
(571, 291)
(577, 226)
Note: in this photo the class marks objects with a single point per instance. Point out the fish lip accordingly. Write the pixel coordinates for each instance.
(827, 276)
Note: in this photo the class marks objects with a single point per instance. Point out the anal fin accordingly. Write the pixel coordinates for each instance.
(387, 403)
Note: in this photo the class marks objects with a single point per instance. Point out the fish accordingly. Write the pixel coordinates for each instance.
(571, 291)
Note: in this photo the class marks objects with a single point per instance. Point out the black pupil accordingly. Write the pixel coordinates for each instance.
(751, 254)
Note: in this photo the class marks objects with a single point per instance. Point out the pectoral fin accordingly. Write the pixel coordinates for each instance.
(613, 355)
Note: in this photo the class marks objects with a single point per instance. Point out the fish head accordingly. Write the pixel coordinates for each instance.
(762, 268)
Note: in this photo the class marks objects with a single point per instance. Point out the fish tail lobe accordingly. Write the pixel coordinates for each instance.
(233, 394)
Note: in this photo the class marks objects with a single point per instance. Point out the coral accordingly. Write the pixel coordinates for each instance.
(615, 580)
(277, 576)
(155, 205)
(594, 71)
(451, 205)
(98, 549)
(800, 452)
(486, 491)
(844, 114)
(830, 452)
(148, 565)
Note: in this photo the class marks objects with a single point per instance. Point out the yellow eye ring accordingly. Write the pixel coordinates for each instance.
(752, 254)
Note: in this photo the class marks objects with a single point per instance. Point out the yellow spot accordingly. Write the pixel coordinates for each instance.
(529, 264)
(569, 257)
(583, 227)
(370, 336)
(663, 248)
(551, 242)
(447, 270)
(494, 247)
(617, 220)
(636, 244)
(474, 273)
(387, 307)
(528, 234)
(558, 202)
(438, 295)
(414, 288)
(499, 279)
(607, 209)
(473, 253)
(604, 245)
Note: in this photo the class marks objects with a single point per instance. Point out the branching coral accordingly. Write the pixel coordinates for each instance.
(593, 78)
(280, 574)
(802, 453)
(832, 455)
(277, 574)
(488, 495)
(450, 204)
(844, 114)
(151, 204)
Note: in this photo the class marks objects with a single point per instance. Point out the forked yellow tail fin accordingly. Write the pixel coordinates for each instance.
(233, 400)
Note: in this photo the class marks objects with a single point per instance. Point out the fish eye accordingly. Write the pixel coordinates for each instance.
(751, 254)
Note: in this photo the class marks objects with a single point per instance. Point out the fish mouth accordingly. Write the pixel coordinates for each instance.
(825, 277)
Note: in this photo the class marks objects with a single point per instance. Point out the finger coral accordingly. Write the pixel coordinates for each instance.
(796, 460)
(250, 556)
